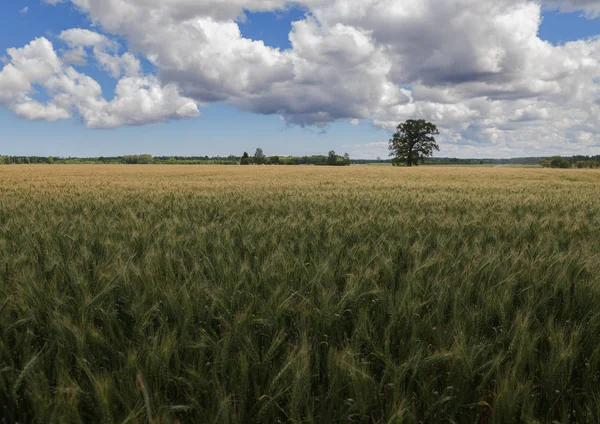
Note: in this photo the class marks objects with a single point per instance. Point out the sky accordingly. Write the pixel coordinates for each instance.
(500, 78)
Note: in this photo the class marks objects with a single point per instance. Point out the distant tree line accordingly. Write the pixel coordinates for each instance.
(487, 161)
(547, 162)
(573, 162)
(128, 159)
(259, 158)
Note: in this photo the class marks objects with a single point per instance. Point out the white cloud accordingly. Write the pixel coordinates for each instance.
(138, 100)
(74, 56)
(33, 110)
(37, 60)
(85, 38)
(14, 84)
(115, 65)
(104, 49)
(24, 10)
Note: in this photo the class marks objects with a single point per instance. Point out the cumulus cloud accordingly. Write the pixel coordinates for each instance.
(138, 100)
(13, 83)
(476, 67)
(33, 110)
(104, 50)
(85, 38)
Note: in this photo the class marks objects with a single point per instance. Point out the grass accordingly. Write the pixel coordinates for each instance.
(299, 294)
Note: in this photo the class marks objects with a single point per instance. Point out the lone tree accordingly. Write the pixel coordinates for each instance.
(413, 142)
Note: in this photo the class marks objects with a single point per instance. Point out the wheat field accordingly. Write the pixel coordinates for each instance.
(191, 294)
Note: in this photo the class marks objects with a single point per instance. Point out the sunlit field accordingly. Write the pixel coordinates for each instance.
(272, 294)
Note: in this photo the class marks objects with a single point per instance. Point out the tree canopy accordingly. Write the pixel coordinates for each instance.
(413, 141)
(259, 156)
(245, 159)
(332, 158)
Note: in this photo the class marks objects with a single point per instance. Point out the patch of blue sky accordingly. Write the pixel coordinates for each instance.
(559, 28)
(40, 20)
(201, 136)
(273, 28)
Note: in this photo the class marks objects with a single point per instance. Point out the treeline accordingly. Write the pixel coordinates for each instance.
(258, 159)
(580, 162)
(487, 161)
(459, 161)
(179, 160)
(128, 159)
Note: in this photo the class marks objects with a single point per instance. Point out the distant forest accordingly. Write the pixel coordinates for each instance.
(331, 159)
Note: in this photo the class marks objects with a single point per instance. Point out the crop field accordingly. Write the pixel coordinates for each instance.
(200, 294)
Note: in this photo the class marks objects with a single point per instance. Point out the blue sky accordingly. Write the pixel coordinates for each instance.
(221, 129)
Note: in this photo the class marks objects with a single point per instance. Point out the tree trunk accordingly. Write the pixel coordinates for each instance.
(409, 159)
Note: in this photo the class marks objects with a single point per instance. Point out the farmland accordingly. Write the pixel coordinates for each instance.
(299, 294)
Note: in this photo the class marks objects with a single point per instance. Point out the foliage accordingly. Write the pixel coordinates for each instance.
(259, 157)
(559, 162)
(137, 159)
(298, 294)
(335, 160)
(413, 142)
(245, 159)
(332, 158)
(580, 164)
(544, 163)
